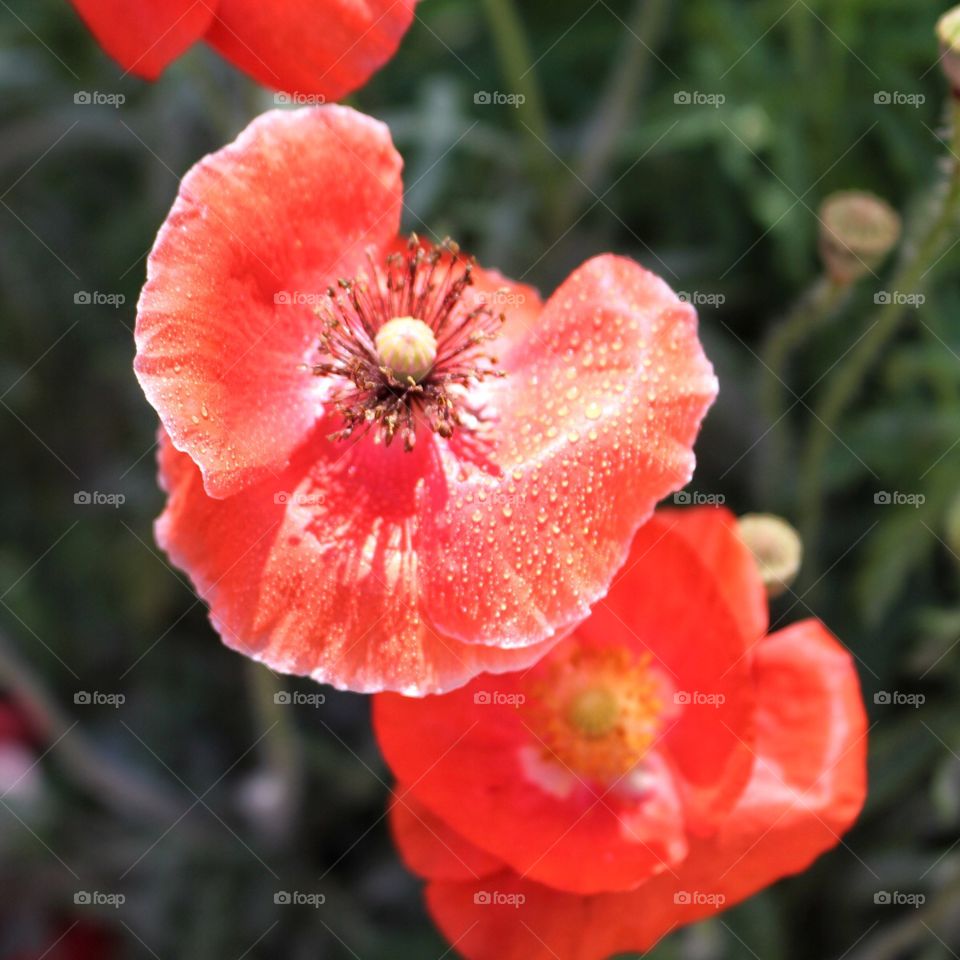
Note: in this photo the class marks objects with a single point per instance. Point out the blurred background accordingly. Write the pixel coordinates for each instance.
(154, 800)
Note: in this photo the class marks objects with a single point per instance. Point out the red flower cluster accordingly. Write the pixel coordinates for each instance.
(387, 467)
(665, 761)
(325, 48)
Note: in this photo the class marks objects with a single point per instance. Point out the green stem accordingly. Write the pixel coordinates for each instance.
(280, 744)
(111, 783)
(898, 940)
(818, 305)
(618, 104)
(911, 277)
(513, 52)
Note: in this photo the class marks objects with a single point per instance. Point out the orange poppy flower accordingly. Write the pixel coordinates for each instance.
(665, 761)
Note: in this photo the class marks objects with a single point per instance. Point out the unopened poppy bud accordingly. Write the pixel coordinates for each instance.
(948, 33)
(408, 347)
(776, 547)
(857, 231)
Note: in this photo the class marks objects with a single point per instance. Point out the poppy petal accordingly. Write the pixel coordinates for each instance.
(664, 600)
(300, 46)
(808, 788)
(431, 849)
(143, 37)
(712, 533)
(225, 328)
(302, 575)
(602, 400)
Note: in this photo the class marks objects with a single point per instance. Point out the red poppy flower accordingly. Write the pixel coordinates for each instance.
(364, 493)
(660, 764)
(326, 49)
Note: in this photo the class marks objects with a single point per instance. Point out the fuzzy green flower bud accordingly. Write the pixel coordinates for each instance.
(948, 33)
(857, 231)
(776, 547)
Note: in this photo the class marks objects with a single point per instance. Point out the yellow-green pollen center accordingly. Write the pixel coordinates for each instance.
(594, 712)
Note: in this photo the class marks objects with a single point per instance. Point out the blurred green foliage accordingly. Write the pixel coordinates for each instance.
(717, 199)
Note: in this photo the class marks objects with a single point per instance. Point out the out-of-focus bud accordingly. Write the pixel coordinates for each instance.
(948, 33)
(776, 547)
(857, 231)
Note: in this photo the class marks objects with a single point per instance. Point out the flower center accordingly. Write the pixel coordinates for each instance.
(596, 712)
(403, 345)
(407, 347)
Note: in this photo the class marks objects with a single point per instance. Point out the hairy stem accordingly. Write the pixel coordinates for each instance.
(818, 305)
(280, 745)
(513, 52)
(843, 387)
(619, 102)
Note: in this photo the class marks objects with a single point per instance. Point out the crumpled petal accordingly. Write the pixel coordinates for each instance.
(808, 787)
(602, 401)
(302, 573)
(226, 331)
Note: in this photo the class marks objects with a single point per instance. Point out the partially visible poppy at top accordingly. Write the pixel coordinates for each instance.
(665, 761)
(387, 467)
(326, 47)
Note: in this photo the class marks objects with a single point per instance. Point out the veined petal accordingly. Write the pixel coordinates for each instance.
(226, 329)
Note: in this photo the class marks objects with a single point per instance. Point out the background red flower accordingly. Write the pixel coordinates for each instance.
(493, 839)
(324, 48)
